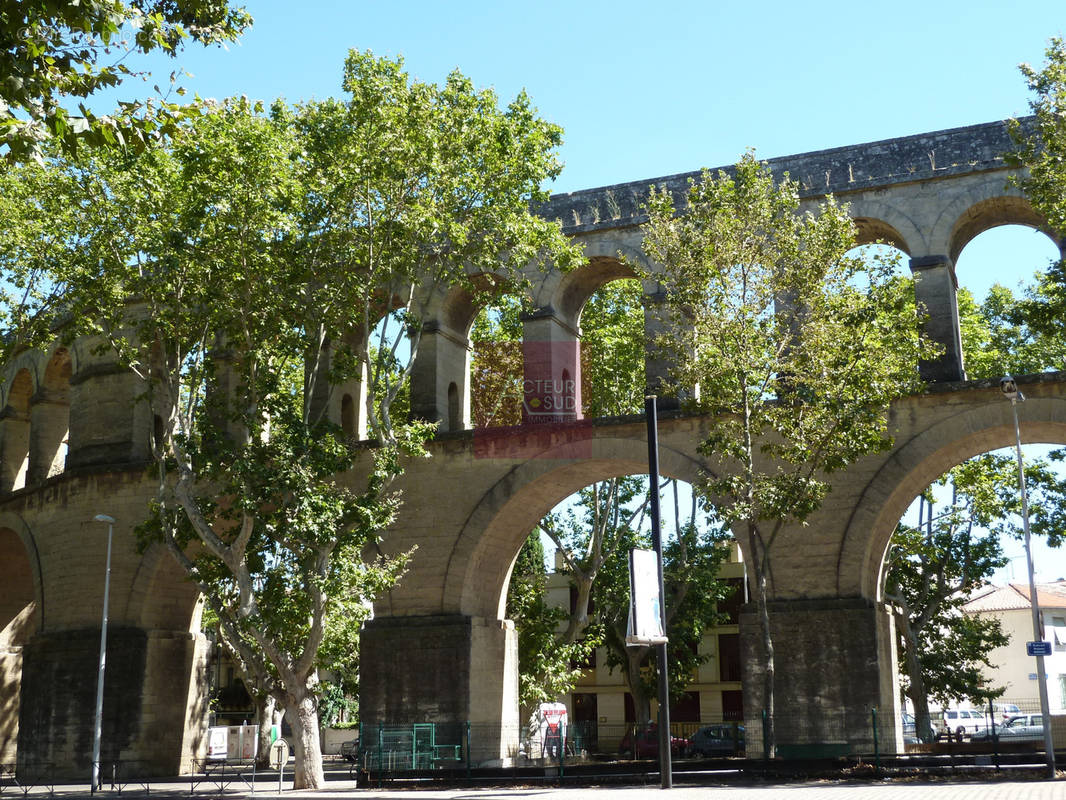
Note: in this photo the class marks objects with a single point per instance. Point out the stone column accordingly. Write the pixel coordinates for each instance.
(935, 290)
(14, 448)
(110, 417)
(551, 353)
(155, 701)
(835, 661)
(440, 378)
(445, 669)
(49, 423)
(658, 361)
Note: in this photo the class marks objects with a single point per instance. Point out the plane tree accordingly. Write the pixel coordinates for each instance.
(797, 348)
(55, 53)
(241, 272)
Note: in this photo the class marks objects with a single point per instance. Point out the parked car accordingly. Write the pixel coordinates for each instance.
(644, 743)
(350, 750)
(910, 736)
(1004, 712)
(1025, 726)
(720, 739)
(959, 722)
(1020, 726)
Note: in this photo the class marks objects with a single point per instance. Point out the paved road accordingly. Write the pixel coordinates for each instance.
(345, 790)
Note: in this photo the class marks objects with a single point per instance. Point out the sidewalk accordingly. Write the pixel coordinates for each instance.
(823, 790)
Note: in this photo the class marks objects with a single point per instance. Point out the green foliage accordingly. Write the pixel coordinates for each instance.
(933, 567)
(1041, 148)
(612, 350)
(52, 51)
(691, 563)
(1005, 335)
(496, 364)
(241, 272)
(547, 668)
(797, 349)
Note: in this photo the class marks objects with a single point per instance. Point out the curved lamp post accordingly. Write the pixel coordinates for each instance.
(98, 721)
(1010, 391)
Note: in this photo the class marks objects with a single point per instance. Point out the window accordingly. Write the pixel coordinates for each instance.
(1058, 633)
(734, 599)
(732, 704)
(686, 708)
(729, 657)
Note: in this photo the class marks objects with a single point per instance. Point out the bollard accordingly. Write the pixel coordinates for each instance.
(765, 736)
(468, 748)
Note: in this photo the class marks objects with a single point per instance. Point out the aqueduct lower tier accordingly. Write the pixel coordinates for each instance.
(74, 441)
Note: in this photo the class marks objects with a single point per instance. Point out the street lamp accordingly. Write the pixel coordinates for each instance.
(98, 723)
(1010, 391)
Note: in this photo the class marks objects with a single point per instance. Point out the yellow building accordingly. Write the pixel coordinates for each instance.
(601, 700)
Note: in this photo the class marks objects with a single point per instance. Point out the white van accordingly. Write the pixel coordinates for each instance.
(959, 722)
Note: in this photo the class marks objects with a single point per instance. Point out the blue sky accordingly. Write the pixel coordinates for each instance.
(644, 91)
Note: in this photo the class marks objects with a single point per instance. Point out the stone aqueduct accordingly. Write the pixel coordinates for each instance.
(74, 441)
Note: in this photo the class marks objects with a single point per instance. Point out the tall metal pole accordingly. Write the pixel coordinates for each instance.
(1010, 390)
(666, 768)
(99, 719)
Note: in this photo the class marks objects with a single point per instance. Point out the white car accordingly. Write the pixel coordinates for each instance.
(959, 722)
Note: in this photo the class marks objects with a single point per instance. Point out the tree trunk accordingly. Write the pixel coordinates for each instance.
(635, 657)
(303, 717)
(916, 691)
(267, 714)
(769, 736)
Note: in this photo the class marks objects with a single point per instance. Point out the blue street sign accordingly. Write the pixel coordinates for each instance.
(1038, 648)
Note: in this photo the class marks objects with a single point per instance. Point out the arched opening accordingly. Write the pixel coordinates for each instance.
(50, 420)
(955, 582)
(496, 364)
(996, 270)
(569, 599)
(454, 409)
(15, 439)
(614, 349)
(158, 431)
(18, 620)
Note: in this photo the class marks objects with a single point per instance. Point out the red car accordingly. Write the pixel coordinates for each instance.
(647, 743)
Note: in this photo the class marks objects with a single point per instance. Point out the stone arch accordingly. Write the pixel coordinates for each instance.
(870, 231)
(991, 212)
(921, 459)
(20, 619)
(162, 597)
(479, 566)
(578, 286)
(18, 531)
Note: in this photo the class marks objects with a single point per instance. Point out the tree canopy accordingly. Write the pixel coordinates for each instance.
(53, 51)
(242, 272)
(797, 349)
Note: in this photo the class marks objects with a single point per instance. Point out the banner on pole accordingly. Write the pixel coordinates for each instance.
(645, 618)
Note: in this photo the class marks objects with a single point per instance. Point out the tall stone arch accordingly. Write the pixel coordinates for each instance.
(21, 604)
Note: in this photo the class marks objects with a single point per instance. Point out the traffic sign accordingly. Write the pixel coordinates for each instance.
(1038, 648)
